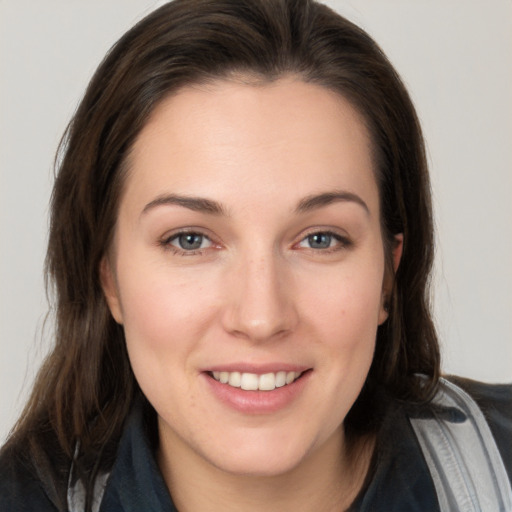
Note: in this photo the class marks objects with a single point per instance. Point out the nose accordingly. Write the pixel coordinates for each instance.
(260, 302)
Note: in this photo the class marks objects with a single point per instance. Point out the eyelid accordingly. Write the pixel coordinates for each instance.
(178, 236)
(185, 230)
(344, 240)
(165, 240)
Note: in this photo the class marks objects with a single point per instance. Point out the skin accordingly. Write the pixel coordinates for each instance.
(257, 291)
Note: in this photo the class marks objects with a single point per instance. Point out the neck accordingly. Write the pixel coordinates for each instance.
(327, 480)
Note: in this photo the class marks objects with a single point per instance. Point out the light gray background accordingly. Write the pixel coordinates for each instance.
(454, 55)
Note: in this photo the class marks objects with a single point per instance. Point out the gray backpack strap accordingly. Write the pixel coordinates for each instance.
(76, 494)
(76, 491)
(462, 456)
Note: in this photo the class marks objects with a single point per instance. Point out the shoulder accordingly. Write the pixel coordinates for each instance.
(495, 401)
(492, 398)
(20, 487)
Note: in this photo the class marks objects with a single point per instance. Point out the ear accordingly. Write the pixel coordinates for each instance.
(389, 277)
(110, 290)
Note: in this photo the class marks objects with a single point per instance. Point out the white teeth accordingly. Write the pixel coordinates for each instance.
(234, 379)
(280, 379)
(267, 382)
(249, 382)
(254, 382)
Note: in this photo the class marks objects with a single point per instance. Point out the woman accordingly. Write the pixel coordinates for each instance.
(240, 245)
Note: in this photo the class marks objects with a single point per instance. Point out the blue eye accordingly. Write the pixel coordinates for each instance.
(189, 241)
(324, 240)
(319, 240)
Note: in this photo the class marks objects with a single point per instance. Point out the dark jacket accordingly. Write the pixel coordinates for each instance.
(400, 479)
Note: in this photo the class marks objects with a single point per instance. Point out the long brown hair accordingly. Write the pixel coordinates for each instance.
(86, 387)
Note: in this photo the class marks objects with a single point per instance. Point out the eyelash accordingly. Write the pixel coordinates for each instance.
(343, 242)
(166, 243)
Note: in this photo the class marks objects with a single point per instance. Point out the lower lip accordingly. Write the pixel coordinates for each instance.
(257, 402)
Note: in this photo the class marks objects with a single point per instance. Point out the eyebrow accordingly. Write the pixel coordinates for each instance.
(197, 204)
(326, 198)
(203, 205)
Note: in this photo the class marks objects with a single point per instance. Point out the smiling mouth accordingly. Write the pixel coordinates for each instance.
(255, 382)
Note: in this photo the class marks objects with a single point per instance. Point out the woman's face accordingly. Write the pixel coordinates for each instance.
(248, 252)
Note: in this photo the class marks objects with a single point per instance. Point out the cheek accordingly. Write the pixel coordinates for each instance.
(345, 305)
(340, 313)
(162, 329)
(344, 322)
(165, 315)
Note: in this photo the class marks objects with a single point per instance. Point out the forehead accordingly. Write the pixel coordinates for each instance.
(267, 141)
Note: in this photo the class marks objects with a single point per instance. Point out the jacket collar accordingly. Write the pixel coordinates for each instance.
(135, 482)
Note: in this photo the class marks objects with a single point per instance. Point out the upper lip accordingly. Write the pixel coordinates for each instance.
(258, 369)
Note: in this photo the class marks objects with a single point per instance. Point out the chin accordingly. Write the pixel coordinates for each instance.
(260, 458)
(259, 467)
